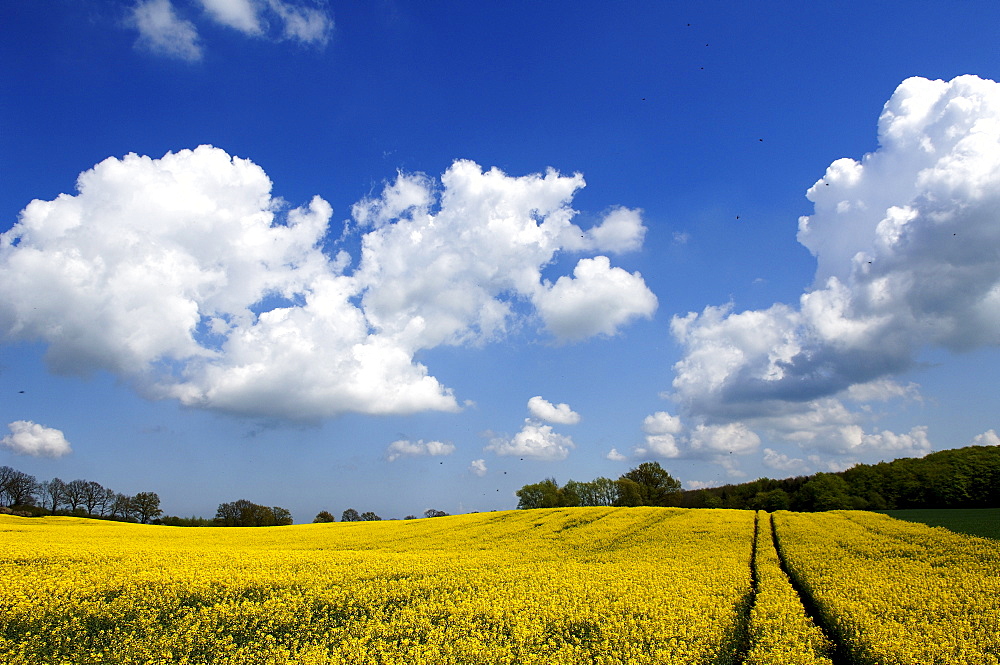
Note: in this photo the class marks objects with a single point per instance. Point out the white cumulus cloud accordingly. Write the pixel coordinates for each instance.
(535, 441)
(185, 276)
(615, 456)
(406, 448)
(28, 438)
(453, 274)
(987, 438)
(597, 300)
(559, 414)
(478, 467)
(662, 431)
(905, 241)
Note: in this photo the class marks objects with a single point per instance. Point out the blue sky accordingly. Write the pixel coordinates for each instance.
(399, 256)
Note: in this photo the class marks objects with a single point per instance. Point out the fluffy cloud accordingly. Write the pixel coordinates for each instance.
(185, 276)
(559, 414)
(987, 438)
(478, 467)
(28, 438)
(621, 230)
(162, 32)
(536, 441)
(661, 430)
(596, 300)
(405, 448)
(731, 438)
(453, 275)
(615, 456)
(905, 242)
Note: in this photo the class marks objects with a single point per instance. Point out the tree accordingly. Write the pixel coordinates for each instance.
(826, 491)
(121, 507)
(75, 492)
(17, 488)
(772, 500)
(431, 512)
(51, 492)
(248, 513)
(106, 501)
(93, 496)
(629, 493)
(350, 515)
(713, 501)
(282, 516)
(6, 473)
(539, 495)
(227, 514)
(598, 492)
(569, 494)
(323, 516)
(656, 486)
(369, 516)
(146, 506)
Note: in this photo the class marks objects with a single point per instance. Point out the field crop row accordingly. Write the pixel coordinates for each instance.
(580, 585)
(894, 592)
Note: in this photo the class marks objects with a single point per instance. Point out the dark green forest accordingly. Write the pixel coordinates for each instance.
(960, 478)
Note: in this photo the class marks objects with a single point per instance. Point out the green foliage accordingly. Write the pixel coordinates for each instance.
(649, 484)
(598, 492)
(545, 494)
(323, 516)
(825, 491)
(772, 500)
(629, 492)
(656, 487)
(369, 516)
(961, 478)
(350, 515)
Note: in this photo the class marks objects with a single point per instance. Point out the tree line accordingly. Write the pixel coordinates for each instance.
(23, 494)
(649, 484)
(966, 477)
(960, 478)
(351, 515)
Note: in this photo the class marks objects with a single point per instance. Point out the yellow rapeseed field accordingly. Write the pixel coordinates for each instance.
(560, 586)
(780, 631)
(582, 585)
(896, 592)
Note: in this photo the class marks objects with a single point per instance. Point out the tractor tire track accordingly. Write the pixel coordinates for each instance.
(841, 654)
